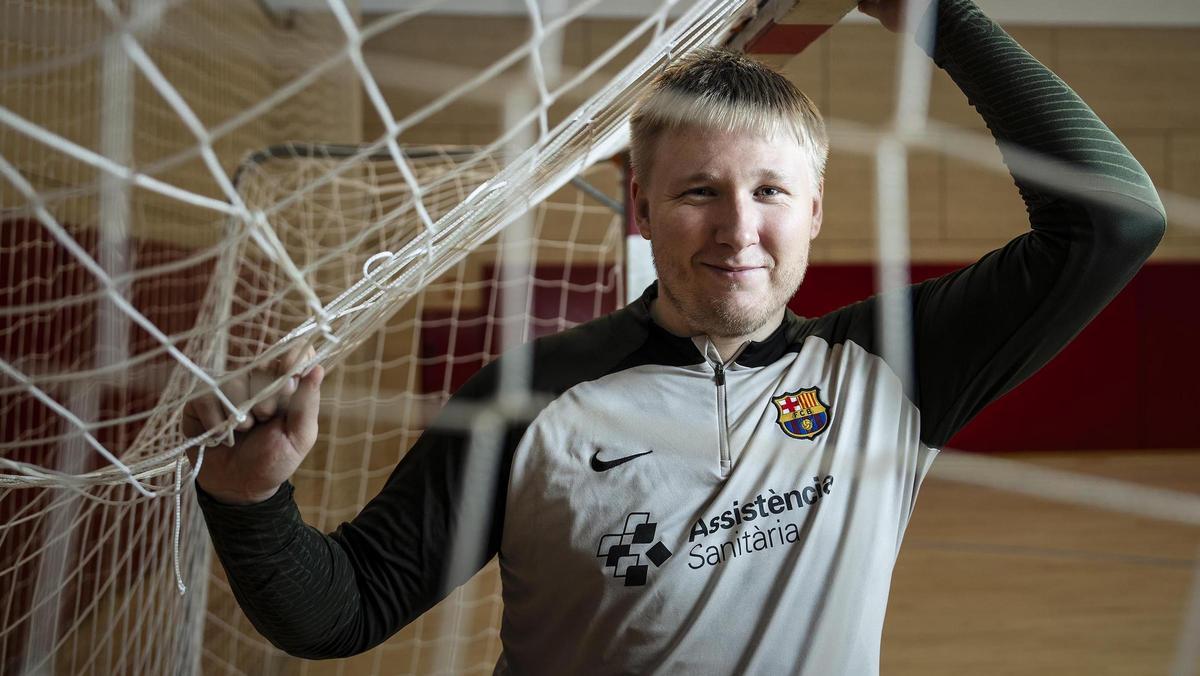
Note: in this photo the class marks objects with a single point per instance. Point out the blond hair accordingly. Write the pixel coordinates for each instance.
(723, 90)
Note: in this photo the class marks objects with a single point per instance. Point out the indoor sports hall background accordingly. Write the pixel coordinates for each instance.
(1018, 578)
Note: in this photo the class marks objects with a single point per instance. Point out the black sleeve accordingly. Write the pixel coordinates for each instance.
(436, 522)
(317, 596)
(980, 331)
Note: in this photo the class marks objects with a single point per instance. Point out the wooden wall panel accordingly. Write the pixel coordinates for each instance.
(850, 189)
(1135, 78)
(862, 73)
(982, 204)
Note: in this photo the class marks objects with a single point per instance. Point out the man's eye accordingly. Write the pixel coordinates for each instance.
(768, 191)
(696, 194)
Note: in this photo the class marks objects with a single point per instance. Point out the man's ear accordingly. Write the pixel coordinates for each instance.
(818, 210)
(641, 208)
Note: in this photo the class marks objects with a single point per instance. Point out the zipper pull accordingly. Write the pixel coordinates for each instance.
(720, 374)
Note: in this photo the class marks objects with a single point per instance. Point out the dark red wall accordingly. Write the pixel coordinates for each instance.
(590, 291)
(1131, 379)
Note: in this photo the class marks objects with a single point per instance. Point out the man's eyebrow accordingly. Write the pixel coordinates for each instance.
(765, 174)
(701, 177)
(772, 175)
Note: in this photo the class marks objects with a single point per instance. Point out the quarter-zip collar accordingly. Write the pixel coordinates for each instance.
(712, 356)
(673, 349)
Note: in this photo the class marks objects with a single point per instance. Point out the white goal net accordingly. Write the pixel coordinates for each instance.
(165, 229)
(190, 188)
(378, 398)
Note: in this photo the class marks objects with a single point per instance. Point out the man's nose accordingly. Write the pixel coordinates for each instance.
(738, 225)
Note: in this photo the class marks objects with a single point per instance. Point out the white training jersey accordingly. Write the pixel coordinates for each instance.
(705, 518)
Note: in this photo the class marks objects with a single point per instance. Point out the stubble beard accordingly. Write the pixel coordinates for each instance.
(721, 316)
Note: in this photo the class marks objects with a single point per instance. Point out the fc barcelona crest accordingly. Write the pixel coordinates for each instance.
(802, 414)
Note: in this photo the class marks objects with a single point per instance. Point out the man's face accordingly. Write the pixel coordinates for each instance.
(730, 217)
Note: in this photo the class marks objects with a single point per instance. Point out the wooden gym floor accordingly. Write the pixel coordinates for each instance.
(999, 583)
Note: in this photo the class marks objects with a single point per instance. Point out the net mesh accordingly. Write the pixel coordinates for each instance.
(153, 250)
(87, 570)
(162, 233)
(378, 398)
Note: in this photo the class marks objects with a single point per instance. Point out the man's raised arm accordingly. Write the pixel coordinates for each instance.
(980, 331)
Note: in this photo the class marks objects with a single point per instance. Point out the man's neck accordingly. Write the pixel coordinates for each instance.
(726, 346)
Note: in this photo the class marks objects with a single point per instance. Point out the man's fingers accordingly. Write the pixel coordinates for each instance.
(891, 13)
(299, 354)
(200, 415)
(259, 381)
(289, 358)
(207, 412)
(869, 7)
(261, 377)
(265, 409)
(237, 390)
(189, 423)
(289, 388)
(304, 410)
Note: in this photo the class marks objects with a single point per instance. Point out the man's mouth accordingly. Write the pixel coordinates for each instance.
(732, 270)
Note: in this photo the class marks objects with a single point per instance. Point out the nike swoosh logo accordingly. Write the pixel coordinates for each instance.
(605, 465)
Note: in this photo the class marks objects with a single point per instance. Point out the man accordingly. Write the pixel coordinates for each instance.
(715, 485)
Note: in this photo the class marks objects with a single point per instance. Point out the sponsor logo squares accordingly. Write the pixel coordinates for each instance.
(629, 553)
